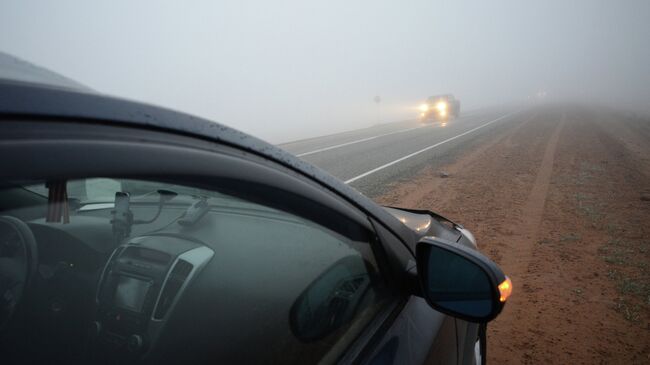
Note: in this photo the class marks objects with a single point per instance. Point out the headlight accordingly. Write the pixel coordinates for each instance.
(441, 106)
(424, 108)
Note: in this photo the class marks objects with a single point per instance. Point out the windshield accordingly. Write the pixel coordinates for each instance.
(102, 190)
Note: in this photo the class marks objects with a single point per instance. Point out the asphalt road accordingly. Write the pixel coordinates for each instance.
(371, 159)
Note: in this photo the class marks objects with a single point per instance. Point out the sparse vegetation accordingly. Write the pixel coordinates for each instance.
(632, 278)
(633, 286)
(571, 237)
(630, 312)
(629, 257)
(578, 291)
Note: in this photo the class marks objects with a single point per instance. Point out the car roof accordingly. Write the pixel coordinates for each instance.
(442, 96)
(36, 100)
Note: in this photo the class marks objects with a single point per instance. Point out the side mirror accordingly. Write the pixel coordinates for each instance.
(460, 281)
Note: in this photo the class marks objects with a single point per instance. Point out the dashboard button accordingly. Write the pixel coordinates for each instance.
(134, 343)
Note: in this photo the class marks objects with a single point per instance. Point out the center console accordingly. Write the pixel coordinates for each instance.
(139, 288)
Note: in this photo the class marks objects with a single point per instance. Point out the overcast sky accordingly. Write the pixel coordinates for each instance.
(283, 70)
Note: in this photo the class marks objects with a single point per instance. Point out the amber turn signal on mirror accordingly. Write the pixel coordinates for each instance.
(505, 289)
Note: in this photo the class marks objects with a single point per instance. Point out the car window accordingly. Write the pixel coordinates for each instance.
(179, 274)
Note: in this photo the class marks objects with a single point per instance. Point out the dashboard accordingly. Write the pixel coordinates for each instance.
(106, 302)
(138, 289)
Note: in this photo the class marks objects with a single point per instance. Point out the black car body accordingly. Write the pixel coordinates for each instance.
(440, 108)
(151, 236)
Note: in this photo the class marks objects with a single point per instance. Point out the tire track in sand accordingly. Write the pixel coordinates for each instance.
(533, 211)
(517, 263)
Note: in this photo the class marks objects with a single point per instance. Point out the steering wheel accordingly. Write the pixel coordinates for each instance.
(18, 265)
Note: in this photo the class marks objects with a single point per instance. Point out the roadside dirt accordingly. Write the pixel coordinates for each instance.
(561, 200)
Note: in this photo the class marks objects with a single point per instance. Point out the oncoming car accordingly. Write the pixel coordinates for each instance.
(440, 108)
(131, 234)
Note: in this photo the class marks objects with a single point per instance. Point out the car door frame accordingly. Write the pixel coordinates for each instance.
(67, 148)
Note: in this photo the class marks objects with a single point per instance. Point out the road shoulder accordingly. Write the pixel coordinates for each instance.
(557, 201)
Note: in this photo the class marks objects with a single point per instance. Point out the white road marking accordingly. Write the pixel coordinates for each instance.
(426, 149)
(357, 141)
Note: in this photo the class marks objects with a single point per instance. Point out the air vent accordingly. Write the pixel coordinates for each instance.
(104, 290)
(175, 281)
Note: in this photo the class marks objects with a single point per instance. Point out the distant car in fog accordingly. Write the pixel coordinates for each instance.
(440, 108)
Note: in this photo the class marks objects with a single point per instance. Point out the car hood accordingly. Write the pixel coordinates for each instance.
(425, 223)
(418, 223)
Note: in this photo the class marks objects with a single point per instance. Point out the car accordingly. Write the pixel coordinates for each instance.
(440, 108)
(134, 234)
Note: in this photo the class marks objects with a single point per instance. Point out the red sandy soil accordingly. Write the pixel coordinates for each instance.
(561, 201)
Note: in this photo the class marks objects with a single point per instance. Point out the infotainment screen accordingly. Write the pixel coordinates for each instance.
(131, 292)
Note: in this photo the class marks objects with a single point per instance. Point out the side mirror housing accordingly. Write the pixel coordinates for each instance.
(459, 281)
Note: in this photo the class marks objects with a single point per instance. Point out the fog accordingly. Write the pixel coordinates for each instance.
(284, 70)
